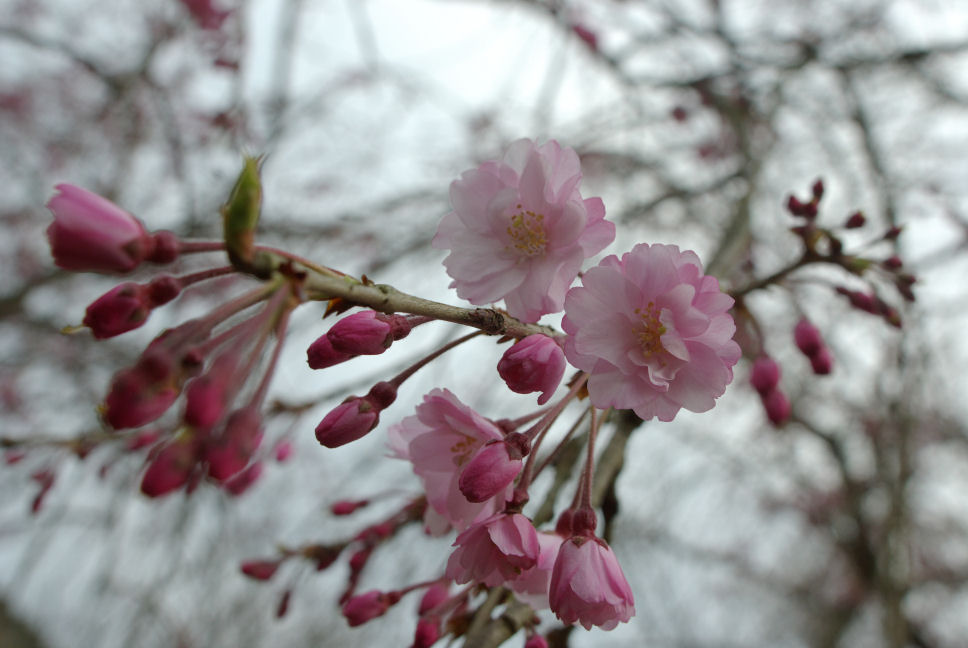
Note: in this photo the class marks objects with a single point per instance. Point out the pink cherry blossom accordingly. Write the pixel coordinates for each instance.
(440, 440)
(653, 332)
(491, 470)
(520, 229)
(90, 233)
(494, 550)
(535, 363)
(588, 586)
(531, 586)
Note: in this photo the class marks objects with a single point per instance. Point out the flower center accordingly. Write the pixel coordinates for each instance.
(650, 335)
(527, 233)
(464, 448)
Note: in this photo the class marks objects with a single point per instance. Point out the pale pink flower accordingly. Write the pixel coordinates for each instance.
(531, 586)
(494, 551)
(653, 332)
(520, 229)
(588, 586)
(535, 363)
(440, 440)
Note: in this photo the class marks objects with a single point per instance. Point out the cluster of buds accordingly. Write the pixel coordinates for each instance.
(808, 339)
(765, 379)
(208, 360)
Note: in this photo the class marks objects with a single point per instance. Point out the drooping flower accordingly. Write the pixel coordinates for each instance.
(535, 363)
(588, 586)
(494, 550)
(653, 332)
(531, 586)
(520, 229)
(440, 440)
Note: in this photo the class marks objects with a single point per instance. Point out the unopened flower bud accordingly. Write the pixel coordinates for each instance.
(822, 362)
(92, 234)
(855, 220)
(536, 641)
(434, 596)
(817, 189)
(535, 363)
(491, 470)
(142, 393)
(207, 396)
(244, 480)
(349, 421)
(347, 507)
(892, 233)
(765, 374)
(777, 407)
(231, 451)
(427, 632)
(365, 607)
(321, 354)
(171, 468)
(261, 570)
(807, 338)
(121, 309)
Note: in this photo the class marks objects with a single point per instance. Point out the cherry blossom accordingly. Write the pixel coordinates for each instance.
(653, 332)
(520, 229)
(588, 586)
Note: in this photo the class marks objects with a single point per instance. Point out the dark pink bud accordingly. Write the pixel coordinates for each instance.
(321, 354)
(283, 451)
(893, 262)
(794, 206)
(817, 189)
(364, 607)
(434, 596)
(680, 114)
(427, 632)
(350, 421)
(382, 394)
(855, 220)
(141, 393)
(232, 450)
(208, 395)
(359, 559)
(171, 468)
(162, 290)
(261, 570)
(92, 234)
(347, 507)
(588, 36)
(363, 333)
(244, 480)
(777, 407)
(536, 641)
(121, 309)
(822, 362)
(859, 300)
(893, 233)
(206, 14)
(807, 338)
(535, 363)
(490, 471)
(166, 247)
(765, 374)
(283, 607)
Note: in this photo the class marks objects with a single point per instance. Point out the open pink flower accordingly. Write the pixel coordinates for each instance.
(588, 586)
(520, 229)
(494, 550)
(653, 332)
(440, 440)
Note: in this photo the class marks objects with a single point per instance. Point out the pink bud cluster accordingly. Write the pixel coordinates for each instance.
(808, 339)
(765, 378)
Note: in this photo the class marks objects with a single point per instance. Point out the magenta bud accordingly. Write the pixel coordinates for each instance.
(347, 507)
(261, 570)
(794, 206)
(232, 450)
(370, 605)
(489, 472)
(321, 354)
(822, 362)
(283, 451)
(92, 234)
(162, 290)
(536, 641)
(143, 392)
(434, 596)
(765, 374)
(350, 421)
(171, 468)
(535, 363)
(427, 632)
(807, 338)
(244, 480)
(165, 247)
(123, 308)
(817, 189)
(893, 262)
(589, 37)
(363, 333)
(892, 233)
(855, 220)
(777, 407)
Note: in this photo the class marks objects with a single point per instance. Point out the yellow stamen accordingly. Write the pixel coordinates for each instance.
(527, 232)
(650, 335)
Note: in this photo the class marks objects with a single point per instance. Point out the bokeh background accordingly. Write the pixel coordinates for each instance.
(694, 119)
